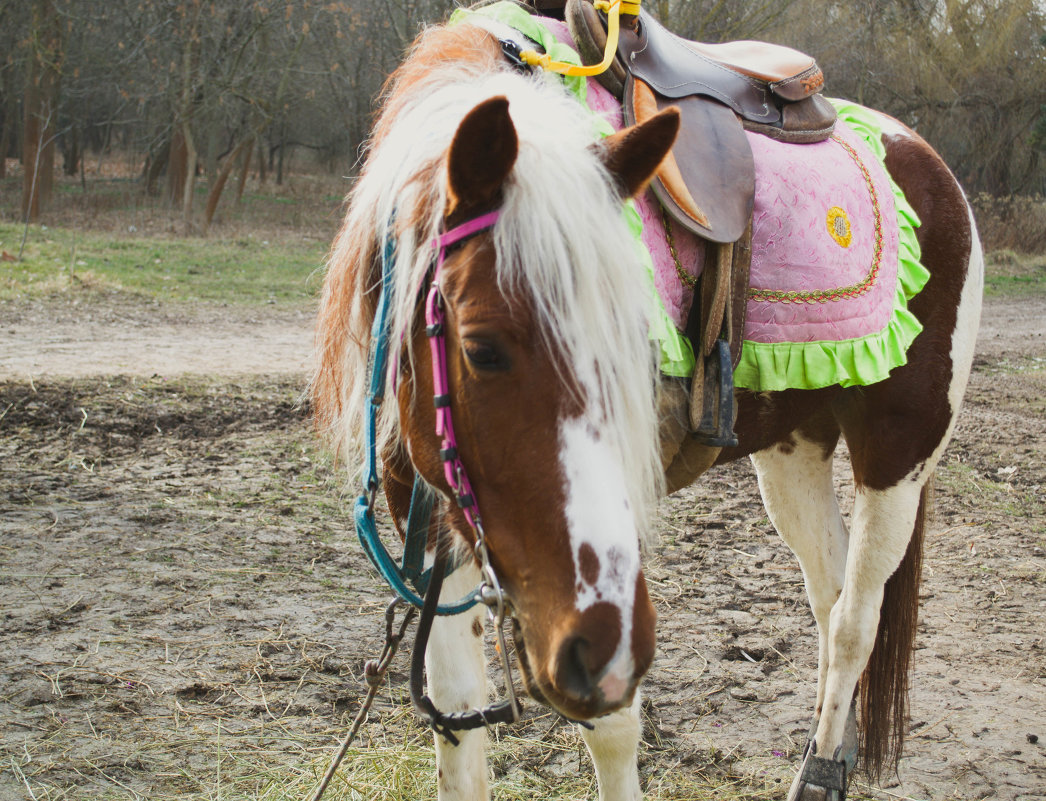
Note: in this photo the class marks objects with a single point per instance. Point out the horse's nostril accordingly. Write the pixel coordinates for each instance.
(574, 669)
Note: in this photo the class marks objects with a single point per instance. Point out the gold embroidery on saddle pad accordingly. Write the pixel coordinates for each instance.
(840, 293)
(839, 226)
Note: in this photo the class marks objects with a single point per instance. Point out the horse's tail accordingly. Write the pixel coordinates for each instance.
(884, 685)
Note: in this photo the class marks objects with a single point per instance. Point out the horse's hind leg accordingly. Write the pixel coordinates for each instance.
(457, 681)
(882, 530)
(844, 575)
(896, 431)
(613, 742)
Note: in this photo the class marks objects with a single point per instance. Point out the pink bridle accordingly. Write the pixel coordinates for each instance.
(490, 591)
(453, 469)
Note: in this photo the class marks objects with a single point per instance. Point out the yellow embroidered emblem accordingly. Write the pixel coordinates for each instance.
(839, 226)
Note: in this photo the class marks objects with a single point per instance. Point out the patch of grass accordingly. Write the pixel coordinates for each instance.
(1008, 273)
(399, 765)
(247, 270)
(1017, 365)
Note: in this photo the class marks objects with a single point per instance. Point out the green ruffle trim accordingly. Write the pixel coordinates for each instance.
(676, 353)
(766, 367)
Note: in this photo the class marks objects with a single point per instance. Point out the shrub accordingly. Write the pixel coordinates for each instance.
(1015, 223)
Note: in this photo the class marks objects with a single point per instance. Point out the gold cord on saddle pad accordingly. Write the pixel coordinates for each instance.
(613, 9)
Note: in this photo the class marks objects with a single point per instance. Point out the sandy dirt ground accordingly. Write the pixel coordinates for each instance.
(181, 593)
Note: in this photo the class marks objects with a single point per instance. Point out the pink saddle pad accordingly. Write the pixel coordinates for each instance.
(834, 257)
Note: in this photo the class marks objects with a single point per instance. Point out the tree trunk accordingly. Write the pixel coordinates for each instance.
(245, 169)
(191, 162)
(7, 119)
(5, 145)
(71, 152)
(263, 174)
(41, 109)
(177, 163)
(154, 167)
(219, 182)
(283, 147)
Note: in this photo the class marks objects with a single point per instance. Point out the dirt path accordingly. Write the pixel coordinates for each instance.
(111, 336)
(175, 566)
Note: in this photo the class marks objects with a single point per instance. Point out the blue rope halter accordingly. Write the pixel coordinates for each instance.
(407, 579)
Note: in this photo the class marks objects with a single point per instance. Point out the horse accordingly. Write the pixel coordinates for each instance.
(489, 191)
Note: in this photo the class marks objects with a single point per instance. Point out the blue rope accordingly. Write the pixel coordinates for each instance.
(422, 496)
(422, 499)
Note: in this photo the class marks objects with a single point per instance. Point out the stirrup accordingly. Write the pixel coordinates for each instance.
(716, 425)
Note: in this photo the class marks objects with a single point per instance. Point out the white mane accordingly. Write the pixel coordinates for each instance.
(561, 239)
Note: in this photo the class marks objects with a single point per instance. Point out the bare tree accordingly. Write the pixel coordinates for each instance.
(202, 91)
(41, 107)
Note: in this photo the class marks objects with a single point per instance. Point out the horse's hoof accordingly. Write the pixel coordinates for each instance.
(820, 779)
(811, 792)
(808, 792)
(806, 787)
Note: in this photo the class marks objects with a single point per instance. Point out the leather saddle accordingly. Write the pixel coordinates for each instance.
(707, 183)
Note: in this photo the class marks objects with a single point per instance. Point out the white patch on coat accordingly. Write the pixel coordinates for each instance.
(600, 517)
(457, 681)
(613, 743)
(890, 126)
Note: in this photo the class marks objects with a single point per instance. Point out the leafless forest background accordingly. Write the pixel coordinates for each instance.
(193, 97)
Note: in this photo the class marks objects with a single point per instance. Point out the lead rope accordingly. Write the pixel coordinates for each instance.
(374, 672)
(445, 724)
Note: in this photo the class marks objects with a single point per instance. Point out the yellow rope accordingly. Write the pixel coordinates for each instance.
(613, 9)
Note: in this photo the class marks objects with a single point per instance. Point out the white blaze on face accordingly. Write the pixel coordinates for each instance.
(603, 537)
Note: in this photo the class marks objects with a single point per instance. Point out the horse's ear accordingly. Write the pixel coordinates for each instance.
(633, 155)
(481, 156)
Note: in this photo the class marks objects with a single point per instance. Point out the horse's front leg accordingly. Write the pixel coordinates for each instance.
(613, 744)
(796, 484)
(457, 681)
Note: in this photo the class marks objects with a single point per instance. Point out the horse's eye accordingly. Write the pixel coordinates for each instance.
(484, 355)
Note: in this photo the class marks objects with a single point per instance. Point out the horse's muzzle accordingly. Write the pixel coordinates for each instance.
(590, 669)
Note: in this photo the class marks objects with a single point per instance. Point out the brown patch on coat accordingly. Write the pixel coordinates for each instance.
(644, 628)
(588, 562)
(895, 425)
